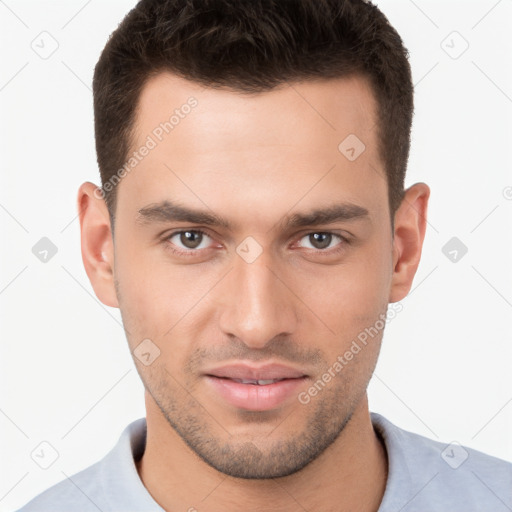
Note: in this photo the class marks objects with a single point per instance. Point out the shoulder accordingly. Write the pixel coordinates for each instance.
(110, 484)
(429, 474)
(82, 491)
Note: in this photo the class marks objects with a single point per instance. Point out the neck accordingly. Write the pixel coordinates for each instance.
(350, 474)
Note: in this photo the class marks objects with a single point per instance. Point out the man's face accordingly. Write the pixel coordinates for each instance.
(259, 289)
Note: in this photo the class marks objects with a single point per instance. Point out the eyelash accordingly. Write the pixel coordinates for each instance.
(191, 252)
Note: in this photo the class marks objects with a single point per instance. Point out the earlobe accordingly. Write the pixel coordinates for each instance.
(97, 243)
(410, 227)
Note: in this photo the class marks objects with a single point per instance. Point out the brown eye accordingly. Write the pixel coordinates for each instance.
(320, 240)
(189, 239)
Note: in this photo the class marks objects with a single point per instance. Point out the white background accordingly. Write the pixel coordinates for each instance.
(66, 374)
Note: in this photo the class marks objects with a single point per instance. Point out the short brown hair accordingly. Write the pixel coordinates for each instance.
(252, 46)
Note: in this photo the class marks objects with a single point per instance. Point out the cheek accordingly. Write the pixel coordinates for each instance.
(144, 298)
(350, 294)
(164, 303)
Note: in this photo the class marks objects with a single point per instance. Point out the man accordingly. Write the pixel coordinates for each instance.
(251, 225)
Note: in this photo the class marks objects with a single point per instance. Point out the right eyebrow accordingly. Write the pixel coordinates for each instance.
(166, 211)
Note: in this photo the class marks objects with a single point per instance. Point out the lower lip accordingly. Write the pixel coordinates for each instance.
(254, 397)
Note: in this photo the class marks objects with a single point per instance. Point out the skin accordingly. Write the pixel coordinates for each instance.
(256, 160)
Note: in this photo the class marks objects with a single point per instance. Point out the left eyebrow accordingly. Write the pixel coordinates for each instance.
(335, 213)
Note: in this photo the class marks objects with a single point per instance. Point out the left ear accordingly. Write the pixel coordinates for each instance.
(410, 226)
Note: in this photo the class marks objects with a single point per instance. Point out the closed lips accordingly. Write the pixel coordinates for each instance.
(255, 388)
(261, 382)
(263, 375)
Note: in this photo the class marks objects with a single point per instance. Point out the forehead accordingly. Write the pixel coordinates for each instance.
(336, 105)
(301, 141)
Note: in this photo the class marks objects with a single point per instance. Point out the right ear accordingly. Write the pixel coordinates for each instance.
(97, 242)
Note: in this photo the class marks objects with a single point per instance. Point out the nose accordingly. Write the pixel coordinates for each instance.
(257, 304)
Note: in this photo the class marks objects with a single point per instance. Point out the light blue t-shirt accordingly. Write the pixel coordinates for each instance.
(424, 476)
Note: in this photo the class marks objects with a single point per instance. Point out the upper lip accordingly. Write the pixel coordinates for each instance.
(263, 372)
